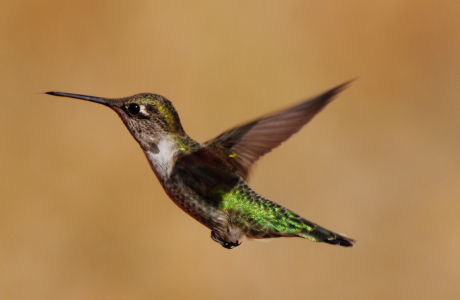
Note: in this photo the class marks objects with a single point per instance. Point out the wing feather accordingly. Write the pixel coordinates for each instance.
(245, 144)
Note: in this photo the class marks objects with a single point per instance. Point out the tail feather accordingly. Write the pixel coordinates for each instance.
(317, 233)
(341, 241)
(266, 219)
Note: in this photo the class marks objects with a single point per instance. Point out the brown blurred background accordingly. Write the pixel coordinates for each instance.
(82, 216)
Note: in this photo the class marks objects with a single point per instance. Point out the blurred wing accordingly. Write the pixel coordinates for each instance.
(205, 173)
(248, 142)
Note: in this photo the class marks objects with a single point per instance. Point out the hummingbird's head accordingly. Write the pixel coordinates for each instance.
(150, 118)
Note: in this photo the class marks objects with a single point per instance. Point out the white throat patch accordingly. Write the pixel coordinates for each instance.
(162, 162)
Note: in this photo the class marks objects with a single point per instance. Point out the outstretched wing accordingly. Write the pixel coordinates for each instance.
(245, 144)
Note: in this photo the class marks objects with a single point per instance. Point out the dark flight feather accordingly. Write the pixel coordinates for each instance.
(245, 144)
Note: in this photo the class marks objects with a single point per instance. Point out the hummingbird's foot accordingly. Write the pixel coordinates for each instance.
(225, 244)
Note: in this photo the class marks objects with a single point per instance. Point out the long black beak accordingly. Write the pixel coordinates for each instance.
(103, 101)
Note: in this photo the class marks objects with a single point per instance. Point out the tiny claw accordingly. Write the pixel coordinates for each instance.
(225, 244)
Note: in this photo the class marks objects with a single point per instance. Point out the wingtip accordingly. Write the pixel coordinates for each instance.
(342, 86)
(330, 95)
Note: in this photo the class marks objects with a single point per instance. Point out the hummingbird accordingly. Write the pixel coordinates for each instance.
(209, 181)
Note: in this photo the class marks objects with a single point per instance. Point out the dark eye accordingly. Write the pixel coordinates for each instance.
(134, 108)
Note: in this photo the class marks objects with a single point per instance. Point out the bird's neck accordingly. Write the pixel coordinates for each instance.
(165, 152)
